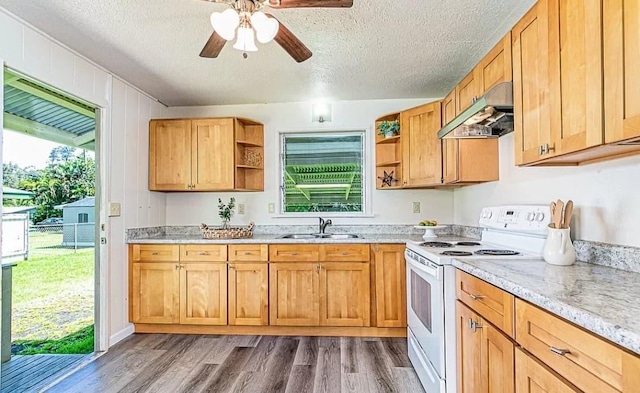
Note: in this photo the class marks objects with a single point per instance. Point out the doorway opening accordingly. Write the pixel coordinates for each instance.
(50, 219)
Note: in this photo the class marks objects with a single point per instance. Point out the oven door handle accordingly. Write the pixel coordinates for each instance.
(430, 268)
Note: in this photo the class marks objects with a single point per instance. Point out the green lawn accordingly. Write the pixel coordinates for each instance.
(53, 295)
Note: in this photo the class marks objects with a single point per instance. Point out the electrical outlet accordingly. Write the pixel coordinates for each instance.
(416, 207)
(241, 208)
(114, 209)
(272, 208)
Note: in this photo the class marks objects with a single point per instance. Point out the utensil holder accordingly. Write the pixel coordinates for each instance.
(558, 248)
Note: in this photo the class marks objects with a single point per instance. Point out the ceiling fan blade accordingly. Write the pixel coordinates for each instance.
(310, 3)
(290, 43)
(213, 47)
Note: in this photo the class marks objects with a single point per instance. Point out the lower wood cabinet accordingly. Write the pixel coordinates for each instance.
(344, 294)
(203, 293)
(485, 355)
(249, 294)
(173, 292)
(534, 377)
(390, 285)
(294, 294)
(155, 292)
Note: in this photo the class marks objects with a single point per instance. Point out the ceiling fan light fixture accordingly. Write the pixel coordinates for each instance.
(225, 23)
(245, 41)
(266, 28)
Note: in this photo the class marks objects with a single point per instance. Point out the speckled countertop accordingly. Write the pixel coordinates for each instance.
(601, 299)
(379, 238)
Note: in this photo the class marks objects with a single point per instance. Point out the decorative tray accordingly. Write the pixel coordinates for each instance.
(227, 233)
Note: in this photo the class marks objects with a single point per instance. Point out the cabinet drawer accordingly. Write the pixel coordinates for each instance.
(155, 252)
(293, 253)
(587, 361)
(248, 252)
(203, 253)
(344, 252)
(492, 303)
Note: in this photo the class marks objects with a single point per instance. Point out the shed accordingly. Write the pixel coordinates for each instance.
(79, 219)
(15, 232)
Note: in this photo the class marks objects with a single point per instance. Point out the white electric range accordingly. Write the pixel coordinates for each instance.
(513, 232)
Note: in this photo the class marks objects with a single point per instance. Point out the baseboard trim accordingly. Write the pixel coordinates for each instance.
(121, 335)
(273, 330)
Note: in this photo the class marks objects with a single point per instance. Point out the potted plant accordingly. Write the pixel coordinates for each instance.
(389, 128)
(225, 211)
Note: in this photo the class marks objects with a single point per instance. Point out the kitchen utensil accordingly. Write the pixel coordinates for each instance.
(557, 215)
(552, 208)
(568, 211)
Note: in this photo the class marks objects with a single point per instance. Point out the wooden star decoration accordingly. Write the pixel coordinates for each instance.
(387, 179)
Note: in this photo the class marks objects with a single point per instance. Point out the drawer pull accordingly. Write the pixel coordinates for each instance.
(204, 253)
(344, 254)
(155, 253)
(474, 325)
(294, 253)
(476, 297)
(558, 351)
(247, 253)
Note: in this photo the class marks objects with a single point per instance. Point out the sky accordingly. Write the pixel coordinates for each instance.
(26, 150)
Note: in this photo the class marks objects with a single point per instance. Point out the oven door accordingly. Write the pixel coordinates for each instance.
(425, 309)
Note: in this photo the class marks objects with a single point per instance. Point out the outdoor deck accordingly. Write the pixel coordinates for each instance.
(30, 373)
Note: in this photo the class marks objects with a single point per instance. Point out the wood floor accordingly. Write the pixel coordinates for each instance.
(196, 363)
(33, 372)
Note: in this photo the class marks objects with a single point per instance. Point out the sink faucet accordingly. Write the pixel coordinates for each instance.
(323, 225)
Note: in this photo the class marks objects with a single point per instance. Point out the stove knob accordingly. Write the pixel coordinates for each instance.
(540, 216)
(531, 216)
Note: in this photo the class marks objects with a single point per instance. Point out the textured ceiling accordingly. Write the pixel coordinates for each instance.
(375, 50)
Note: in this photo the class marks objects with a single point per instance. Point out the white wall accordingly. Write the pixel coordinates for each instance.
(124, 133)
(605, 195)
(389, 207)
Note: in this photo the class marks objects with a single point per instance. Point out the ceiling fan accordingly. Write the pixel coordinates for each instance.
(245, 20)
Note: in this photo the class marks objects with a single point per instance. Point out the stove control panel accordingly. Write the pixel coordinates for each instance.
(525, 218)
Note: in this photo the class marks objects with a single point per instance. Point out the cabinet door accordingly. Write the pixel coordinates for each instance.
(169, 155)
(533, 377)
(467, 91)
(248, 294)
(497, 361)
(469, 343)
(575, 75)
(203, 293)
(450, 172)
(621, 65)
(495, 67)
(155, 295)
(293, 294)
(344, 294)
(390, 285)
(530, 44)
(213, 147)
(421, 148)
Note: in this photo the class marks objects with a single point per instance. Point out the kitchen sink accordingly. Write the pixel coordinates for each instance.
(320, 235)
(299, 236)
(338, 236)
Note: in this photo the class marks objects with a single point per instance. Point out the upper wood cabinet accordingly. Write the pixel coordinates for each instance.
(388, 155)
(467, 91)
(206, 155)
(621, 65)
(565, 55)
(496, 66)
(421, 148)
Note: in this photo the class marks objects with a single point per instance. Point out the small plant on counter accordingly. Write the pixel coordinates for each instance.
(226, 211)
(389, 128)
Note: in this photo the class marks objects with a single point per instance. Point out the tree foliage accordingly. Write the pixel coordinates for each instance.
(67, 178)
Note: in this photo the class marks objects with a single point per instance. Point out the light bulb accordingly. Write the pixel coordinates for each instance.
(245, 40)
(266, 28)
(225, 23)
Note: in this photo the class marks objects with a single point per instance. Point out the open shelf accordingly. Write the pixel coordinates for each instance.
(248, 143)
(388, 163)
(393, 139)
(248, 166)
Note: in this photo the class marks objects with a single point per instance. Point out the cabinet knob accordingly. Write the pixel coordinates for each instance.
(177, 266)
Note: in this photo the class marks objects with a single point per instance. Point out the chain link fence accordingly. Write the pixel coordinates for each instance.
(61, 238)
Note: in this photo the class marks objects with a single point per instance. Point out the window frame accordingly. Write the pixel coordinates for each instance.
(366, 180)
(83, 215)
